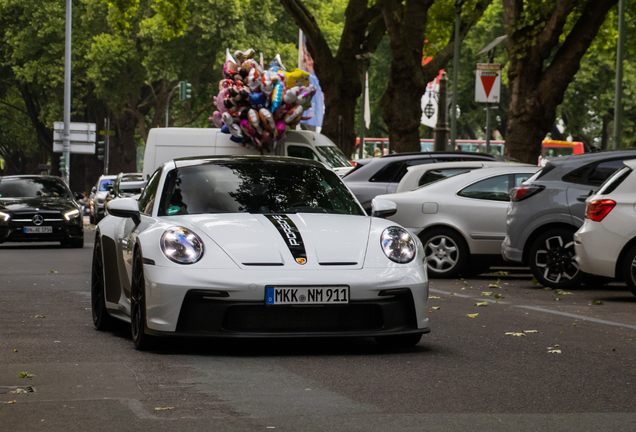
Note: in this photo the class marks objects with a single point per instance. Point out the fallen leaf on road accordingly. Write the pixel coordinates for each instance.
(515, 334)
(481, 304)
(597, 302)
(563, 293)
(497, 296)
(495, 285)
(472, 315)
(15, 350)
(547, 289)
(435, 308)
(53, 271)
(40, 316)
(554, 352)
(432, 296)
(487, 293)
(162, 409)
(535, 281)
(10, 402)
(25, 375)
(530, 331)
(558, 298)
(19, 391)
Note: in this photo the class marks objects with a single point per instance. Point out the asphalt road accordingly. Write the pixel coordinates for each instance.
(467, 374)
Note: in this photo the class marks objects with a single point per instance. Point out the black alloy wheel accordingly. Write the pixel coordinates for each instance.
(141, 339)
(552, 261)
(629, 270)
(101, 319)
(446, 253)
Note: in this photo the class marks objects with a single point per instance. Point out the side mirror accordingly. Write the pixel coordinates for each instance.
(383, 208)
(78, 195)
(124, 208)
(94, 189)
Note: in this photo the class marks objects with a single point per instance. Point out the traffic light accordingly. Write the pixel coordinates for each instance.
(100, 150)
(63, 163)
(185, 90)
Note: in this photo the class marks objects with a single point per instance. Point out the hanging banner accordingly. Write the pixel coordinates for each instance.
(305, 62)
(487, 82)
(429, 102)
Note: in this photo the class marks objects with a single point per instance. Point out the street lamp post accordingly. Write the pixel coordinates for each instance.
(458, 18)
(618, 92)
(66, 137)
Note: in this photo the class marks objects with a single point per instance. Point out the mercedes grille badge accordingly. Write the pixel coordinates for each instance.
(38, 219)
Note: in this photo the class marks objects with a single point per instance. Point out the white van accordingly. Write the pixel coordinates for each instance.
(165, 144)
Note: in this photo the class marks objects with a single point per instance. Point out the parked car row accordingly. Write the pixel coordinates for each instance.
(109, 187)
(462, 220)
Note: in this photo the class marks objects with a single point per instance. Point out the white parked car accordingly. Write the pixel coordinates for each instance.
(255, 246)
(460, 220)
(606, 243)
(421, 175)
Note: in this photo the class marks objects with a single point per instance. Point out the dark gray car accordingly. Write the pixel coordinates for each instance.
(548, 208)
(382, 175)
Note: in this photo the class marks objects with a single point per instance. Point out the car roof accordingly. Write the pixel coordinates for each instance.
(478, 174)
(631, 163)
(582, 159)
(410, 155)
(202, 160)
(460, 164)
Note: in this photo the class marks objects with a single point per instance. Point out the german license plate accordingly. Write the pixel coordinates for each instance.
(38, 230)
(306, 295)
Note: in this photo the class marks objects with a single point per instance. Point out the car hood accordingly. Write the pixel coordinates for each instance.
(256, 240)
(36, 204)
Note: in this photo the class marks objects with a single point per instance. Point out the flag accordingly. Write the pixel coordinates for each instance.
(367, 109)
(305, 62)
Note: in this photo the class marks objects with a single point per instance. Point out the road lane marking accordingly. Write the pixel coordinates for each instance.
(539, 309)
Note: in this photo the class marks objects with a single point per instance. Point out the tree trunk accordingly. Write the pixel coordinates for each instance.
(341, 105)
(123, 148)
(535, 90)
(401, 102)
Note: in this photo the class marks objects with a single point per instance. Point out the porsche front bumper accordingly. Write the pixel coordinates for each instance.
(207, 302)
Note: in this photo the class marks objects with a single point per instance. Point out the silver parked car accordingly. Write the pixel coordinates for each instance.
(97, 196)
(461, 220)
(548, 208)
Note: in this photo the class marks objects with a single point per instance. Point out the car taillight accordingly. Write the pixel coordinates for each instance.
(522, 192)
(597, 210)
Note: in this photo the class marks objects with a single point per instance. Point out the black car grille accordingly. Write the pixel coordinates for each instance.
(201, 315)
(49, 216)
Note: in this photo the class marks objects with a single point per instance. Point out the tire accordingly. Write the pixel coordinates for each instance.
(398, 341)
(91, 219)
(140, 338)
(446, 252)
(101, 319)
(552, 262)
(629, 270)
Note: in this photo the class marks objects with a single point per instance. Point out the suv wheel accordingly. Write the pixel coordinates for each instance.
(552, 259)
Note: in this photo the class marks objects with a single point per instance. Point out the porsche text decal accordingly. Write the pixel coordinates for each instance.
(289, 231)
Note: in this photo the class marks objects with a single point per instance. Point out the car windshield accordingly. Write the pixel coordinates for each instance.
(255, 187)
(335, 158)
(32, 188)
(103, 185)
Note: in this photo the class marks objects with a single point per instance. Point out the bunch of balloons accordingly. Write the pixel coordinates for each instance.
(258, 105)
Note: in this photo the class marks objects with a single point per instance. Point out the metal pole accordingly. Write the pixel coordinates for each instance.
(362, 125)
(66, 139)
(618, 92)
(488, 128)
(458, 17)
(106, 144)
(168, 103)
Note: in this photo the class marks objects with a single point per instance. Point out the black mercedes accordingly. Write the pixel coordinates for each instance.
(39, 208)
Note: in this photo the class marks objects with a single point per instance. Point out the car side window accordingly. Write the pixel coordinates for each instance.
(520, 178)
(493, 189)
(602, 171)
(435, 175)
(388, 173)
(301, 152)
(147, 198)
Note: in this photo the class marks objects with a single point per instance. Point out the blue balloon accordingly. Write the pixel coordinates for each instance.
(225, 129)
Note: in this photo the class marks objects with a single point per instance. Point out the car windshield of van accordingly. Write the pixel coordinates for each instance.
(104, 184)
(558, 151)
(32, 188)
(255, 187)
(335, 158)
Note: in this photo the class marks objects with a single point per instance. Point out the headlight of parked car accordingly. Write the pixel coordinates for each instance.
(71, 214)
(4, 217)
(398, 245)
(182, 245)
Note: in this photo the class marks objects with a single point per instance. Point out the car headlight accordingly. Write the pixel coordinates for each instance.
(71, 214)
(181, 245)
(4, 216)
(398, 245)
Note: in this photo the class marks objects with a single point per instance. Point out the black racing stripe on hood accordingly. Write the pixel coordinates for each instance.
(290, 233)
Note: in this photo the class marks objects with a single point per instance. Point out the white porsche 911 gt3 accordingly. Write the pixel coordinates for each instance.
(255, 247)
